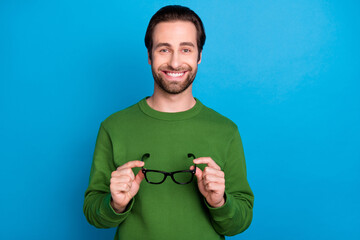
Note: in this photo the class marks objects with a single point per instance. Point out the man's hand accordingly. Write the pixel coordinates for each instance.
(211, 181)
(124, 185)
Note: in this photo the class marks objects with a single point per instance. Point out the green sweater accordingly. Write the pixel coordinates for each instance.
(169, 210)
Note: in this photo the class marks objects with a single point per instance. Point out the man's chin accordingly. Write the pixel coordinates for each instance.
(173, 91)
(173, 86)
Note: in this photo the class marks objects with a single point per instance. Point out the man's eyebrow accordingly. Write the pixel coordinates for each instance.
(190, 44)
(162, 45)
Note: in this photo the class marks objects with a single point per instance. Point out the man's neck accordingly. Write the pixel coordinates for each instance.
(171, 102)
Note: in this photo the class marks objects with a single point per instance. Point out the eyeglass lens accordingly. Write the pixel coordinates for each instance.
(183, 177)
(155, 177)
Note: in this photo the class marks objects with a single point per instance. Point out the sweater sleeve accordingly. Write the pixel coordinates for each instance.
(97, 208)
(236, 214)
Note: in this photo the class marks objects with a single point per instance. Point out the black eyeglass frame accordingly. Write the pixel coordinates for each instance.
(166, 174)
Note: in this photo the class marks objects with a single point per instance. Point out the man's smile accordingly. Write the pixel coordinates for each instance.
(174, 74)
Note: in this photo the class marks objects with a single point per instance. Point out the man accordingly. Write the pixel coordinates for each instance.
(167, 139)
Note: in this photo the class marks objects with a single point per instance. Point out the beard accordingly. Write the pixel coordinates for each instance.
(174, 87)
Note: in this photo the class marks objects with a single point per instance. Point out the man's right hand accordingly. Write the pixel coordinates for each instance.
(124, 185)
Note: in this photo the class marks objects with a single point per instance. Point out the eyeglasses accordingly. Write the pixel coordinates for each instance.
(158, 177)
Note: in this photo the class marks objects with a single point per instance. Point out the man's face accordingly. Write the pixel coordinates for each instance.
(174, 56)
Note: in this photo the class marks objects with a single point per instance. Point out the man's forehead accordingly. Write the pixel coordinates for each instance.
(175, 31)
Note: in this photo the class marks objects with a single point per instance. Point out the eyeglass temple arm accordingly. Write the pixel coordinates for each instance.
(146, 155)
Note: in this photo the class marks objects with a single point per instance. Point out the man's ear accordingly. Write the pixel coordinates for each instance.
(149, 58)
(200, 56)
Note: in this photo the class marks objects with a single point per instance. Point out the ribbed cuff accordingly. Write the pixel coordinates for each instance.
(226, 211)
(107, 210)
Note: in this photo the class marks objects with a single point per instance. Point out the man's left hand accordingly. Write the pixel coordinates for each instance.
(211, 181)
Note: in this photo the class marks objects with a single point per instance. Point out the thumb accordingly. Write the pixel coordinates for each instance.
(139, 177)
(198, 174)
(200, 183)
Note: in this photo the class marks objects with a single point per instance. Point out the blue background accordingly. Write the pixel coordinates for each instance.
(286, 72)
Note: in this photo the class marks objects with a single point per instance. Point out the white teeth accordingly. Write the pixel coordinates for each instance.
(174, 74)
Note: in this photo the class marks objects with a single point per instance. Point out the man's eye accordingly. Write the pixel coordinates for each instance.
(164, 50)
(186, 50)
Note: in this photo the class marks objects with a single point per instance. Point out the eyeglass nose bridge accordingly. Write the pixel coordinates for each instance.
(171, 174)
(166, 174)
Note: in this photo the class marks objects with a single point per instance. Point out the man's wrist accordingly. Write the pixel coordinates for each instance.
(217, 205)
(117, 208)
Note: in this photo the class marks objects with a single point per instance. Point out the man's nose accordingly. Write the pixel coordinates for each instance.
(175, 60)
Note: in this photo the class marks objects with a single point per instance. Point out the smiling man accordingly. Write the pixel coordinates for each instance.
(190, 156)
(174, 56)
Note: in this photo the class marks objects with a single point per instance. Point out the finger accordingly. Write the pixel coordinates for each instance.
(132, 164)
(139, 177)
(198, 173)
(212, 171)
(121, 179)
(215, 187)
(207, 160)
(123, 172)
(199, 177)
(212, 178)
(120, 187)
(124, 187)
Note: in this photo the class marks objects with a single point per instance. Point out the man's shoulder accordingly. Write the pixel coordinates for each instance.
(124, 115)
(213, 117)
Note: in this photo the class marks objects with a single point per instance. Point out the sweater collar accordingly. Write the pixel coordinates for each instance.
(192, 112)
